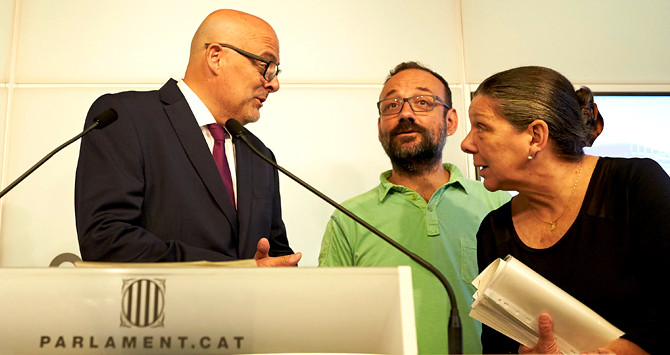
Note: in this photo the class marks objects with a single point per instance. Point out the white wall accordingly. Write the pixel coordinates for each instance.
(56, 57)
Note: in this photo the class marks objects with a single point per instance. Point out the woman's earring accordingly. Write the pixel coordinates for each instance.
(530, 157)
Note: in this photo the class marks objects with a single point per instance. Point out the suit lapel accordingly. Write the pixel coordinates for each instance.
(193, 143)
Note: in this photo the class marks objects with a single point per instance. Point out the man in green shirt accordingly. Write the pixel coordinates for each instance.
(423, 204)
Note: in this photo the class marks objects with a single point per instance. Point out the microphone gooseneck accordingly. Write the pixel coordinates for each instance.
(454, 324)
(100, 121)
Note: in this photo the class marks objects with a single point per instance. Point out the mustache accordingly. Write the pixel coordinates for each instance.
(407, 126)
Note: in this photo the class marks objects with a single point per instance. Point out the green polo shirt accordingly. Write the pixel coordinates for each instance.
(442, 231)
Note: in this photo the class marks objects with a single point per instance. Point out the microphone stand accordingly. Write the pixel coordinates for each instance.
(454, 323)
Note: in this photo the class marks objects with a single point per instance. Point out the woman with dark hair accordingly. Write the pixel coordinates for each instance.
(596, 227)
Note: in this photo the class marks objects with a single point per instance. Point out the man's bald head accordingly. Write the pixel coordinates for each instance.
(227, 74)
(229, 26)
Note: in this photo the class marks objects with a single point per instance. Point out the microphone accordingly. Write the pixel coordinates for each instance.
(454, 324)
(102, 120)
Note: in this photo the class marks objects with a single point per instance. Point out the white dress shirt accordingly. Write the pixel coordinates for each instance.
(204, 118)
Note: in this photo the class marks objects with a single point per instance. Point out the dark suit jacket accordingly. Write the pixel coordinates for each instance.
(147, 188)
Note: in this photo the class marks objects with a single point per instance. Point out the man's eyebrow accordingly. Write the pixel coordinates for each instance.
(269, 56)
(390, 92)
(420, 88)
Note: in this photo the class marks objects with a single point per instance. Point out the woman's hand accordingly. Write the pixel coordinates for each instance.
(546, 344)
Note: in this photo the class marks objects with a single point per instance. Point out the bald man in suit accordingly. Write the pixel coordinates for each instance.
(148, 188)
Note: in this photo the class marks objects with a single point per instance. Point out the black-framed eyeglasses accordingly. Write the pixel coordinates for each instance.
(419, 103)
(271, 68)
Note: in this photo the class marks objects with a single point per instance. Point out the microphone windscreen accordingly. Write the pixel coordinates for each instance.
(106, 118)
(234, 128)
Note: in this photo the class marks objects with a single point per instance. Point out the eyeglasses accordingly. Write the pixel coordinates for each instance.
(271, 68)
(420, 103)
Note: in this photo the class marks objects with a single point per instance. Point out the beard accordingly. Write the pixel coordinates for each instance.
(409, 156)
(243, 108)
(251, 118)
(249, 112)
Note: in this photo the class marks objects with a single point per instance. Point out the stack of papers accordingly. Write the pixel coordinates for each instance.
(510, 297)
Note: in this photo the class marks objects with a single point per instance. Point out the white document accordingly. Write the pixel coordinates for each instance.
(510, 297)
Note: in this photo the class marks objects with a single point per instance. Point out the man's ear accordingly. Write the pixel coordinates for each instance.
(452, 121)
(538, 133)
(213, 57)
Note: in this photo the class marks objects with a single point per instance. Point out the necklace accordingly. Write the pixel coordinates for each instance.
(553, 223)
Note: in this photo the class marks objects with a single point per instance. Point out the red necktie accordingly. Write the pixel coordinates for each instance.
(219, 154)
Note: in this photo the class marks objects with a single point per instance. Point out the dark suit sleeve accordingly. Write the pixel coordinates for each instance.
(278, 240)
(111, 190)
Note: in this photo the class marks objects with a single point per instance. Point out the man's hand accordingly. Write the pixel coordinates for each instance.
(263, 259)
(546, 344)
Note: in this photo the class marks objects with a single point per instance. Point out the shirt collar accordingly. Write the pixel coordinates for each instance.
(456, 179)
(202, 114)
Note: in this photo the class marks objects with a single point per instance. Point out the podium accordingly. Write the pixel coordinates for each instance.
(206, 310)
